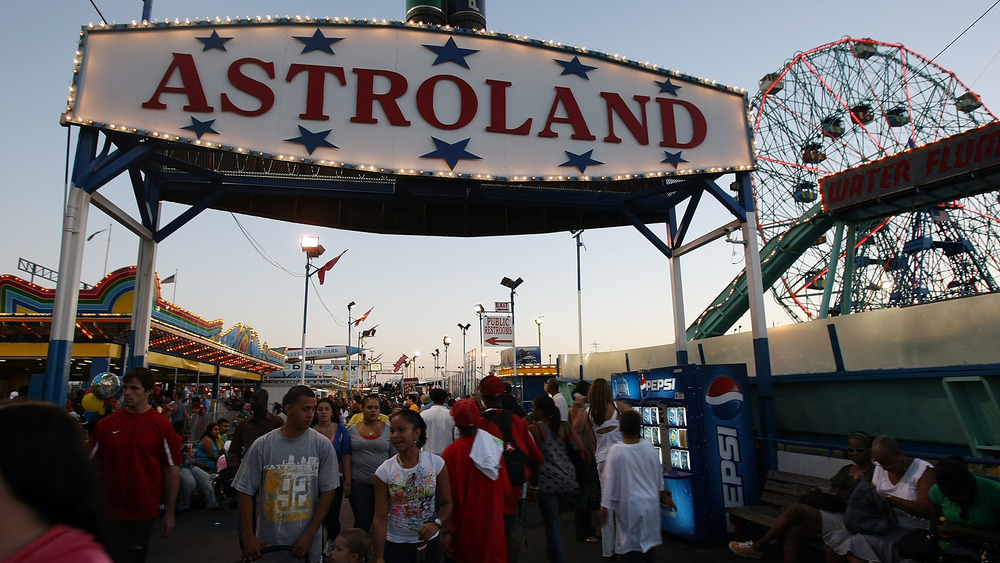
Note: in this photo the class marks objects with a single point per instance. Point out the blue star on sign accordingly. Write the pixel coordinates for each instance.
(667, 87)
(575, 67)
(201, 127)
(450, 52)
(451, 152)
(318, 42)
(581, 161)
(673, 158)
(214, 41)
(311, 140)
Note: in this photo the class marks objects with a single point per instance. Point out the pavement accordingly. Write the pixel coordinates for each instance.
(211, 536)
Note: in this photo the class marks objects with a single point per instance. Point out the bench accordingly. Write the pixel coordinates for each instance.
(781, 490)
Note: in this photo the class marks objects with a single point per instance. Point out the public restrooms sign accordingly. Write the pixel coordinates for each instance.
(406, 99)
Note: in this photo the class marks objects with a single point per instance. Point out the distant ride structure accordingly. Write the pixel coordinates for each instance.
(839, 106)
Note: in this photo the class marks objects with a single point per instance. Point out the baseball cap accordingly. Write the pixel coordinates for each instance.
(492, 386)
(465, 412)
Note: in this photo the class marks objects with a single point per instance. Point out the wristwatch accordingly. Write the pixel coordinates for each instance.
(438, 523)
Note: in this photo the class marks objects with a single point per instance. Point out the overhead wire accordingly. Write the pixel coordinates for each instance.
(966, 30)
(103, 20)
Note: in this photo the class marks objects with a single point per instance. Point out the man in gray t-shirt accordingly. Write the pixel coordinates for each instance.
(293, 472)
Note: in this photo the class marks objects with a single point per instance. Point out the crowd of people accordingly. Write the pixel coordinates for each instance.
(431, 479)
(887, 507)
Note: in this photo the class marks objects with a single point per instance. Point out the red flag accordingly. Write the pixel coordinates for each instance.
(399, 362)
(321, 273)
(363, 317)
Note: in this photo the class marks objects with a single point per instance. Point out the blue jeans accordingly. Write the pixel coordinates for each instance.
(363, 505)
(549, 505)
(410, 552)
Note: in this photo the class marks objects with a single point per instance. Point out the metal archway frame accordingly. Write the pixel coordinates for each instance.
(302, 193)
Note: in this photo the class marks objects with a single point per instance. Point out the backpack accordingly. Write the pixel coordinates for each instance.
(516, 460)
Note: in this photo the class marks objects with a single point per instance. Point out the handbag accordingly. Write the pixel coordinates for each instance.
(868, 513)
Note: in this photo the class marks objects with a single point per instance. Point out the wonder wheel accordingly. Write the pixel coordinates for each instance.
(844, 104)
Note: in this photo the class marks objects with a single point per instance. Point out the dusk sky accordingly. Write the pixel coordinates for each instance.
(422, 287)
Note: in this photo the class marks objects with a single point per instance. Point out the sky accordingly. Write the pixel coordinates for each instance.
(421, 288)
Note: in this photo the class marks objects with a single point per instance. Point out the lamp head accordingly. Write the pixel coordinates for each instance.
(311, 246)
(350, 305)
(480, 309)
(539, 321)
(446, 340)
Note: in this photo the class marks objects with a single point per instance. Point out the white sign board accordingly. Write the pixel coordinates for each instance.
(498, 330)
(406, 99)
(502, 306)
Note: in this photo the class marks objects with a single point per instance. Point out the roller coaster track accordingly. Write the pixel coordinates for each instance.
(775, 259)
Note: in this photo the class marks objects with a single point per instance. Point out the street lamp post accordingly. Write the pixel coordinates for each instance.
(512, 285)
(415, 356)
(347, 362)
(313, 249)
(446, 341)
(579, 299)
(539, 321)
(436, 354)
(480, 310)
(465, 372)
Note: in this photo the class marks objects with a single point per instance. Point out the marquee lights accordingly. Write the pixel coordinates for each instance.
(69, 118)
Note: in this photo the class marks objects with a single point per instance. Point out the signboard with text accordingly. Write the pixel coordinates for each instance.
(405, 99)
(498, 330)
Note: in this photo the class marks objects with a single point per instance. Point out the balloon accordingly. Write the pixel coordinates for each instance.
(90, 416)
(103, 411)
(91, 403)
(106, 386)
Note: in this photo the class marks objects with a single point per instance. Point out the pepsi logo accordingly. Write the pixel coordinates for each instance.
(643, 388)
(724, 398)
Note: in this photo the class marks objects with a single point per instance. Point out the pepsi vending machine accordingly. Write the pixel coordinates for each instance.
(698, 419)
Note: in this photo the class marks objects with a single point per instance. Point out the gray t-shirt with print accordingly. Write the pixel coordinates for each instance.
(288, 476)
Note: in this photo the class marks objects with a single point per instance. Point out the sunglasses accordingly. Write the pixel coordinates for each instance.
(856, 450)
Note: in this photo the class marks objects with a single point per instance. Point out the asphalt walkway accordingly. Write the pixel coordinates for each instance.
(211, 537)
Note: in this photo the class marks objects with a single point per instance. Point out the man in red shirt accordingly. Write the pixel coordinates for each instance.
(493, 390)
(137, 452)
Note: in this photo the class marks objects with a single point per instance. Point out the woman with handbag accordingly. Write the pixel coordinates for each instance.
(557, 474)
(904, 483)
(816, 513)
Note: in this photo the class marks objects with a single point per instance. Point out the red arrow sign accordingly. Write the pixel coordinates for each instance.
(498, 341)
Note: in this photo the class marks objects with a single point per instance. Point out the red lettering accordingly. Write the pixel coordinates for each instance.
(870, 183)
(469, 104)
(933, 157)
(192, 86)
(498, 110)
(963, 153)
(574, 117)
(616, 105)
(857, 186)
(253, 87)
(364, 109)
(945, 158)
(885, 182)
(902, 172)
(698, 124)
(315, 87)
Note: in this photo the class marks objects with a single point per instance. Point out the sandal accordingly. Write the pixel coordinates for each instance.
(593, 539)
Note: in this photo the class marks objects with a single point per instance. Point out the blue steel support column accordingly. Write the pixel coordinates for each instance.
(142, 308)
(831, 271)
(761, 349)
(70, 266)
(847, 287)
(677, 293)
